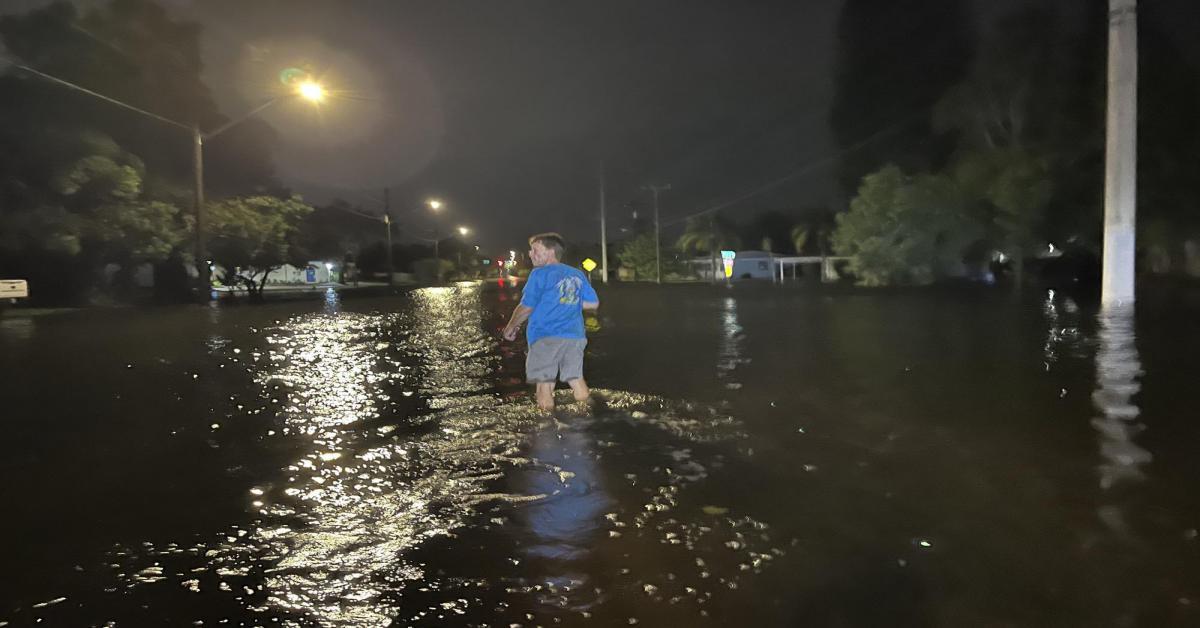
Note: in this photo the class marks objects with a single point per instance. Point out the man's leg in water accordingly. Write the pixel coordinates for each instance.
(545, 395)
(580, 388)
(571, 368)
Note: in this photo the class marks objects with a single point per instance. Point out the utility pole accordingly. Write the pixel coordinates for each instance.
(712, 247)
(204, 279)
(603, 230)
(308, 90)
(387, 223)
(1120, 176)
(437, 255)
(657, 239)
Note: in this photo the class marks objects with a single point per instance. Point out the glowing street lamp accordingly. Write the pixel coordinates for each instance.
(463, 231)
(435, 206)
(307, 89)
(311, 91)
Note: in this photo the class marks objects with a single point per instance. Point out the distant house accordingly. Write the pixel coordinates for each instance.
(749, 265)
(754, 265)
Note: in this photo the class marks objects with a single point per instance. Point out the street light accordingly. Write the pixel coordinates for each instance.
(307, 89)
(462, 231)
(311, 91)
(436, 206)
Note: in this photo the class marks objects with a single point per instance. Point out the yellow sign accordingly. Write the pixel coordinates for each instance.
(727, 258)
(589, 264)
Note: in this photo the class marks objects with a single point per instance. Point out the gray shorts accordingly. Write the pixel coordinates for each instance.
(555, 358)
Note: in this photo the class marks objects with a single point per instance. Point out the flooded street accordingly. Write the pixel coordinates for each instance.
(756, 456)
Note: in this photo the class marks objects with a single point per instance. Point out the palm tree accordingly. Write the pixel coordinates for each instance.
(703, 231)
(799, 238)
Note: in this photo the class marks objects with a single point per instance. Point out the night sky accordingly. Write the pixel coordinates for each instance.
(505, 109)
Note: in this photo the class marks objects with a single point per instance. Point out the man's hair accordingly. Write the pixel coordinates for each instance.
(552, 241)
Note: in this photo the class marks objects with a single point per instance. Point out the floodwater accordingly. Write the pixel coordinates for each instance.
(757, 456)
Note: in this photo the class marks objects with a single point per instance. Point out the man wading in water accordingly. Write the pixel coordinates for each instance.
(553, 301)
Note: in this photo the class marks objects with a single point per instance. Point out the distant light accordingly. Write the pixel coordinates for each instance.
(328, 266)
(311, 90)
(512, 255)
(463, 231)
(476, 247)
(435, 204)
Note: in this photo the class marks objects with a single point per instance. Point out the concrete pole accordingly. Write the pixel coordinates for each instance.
(387, 223)
(1120, 176)
(712, 246)
(203, 280)
(657, 238)
(603, 230)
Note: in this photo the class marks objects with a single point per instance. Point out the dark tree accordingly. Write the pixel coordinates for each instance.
(894, 61)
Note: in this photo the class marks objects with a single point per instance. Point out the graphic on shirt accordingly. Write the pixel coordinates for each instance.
(568, 290)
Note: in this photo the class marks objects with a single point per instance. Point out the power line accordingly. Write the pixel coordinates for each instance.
(353, 211)
(801, 171)
(89, 92)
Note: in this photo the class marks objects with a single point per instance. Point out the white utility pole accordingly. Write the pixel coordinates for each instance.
(657, 239)
(1120, 174)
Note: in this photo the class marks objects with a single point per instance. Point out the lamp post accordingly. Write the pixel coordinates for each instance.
(307, 89)
(387, 222)
(462, 231)
(436, 206)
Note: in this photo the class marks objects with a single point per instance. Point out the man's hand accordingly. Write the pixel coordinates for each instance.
(519, 315)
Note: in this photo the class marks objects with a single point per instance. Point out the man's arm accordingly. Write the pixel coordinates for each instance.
(519, 316)
(590, 300)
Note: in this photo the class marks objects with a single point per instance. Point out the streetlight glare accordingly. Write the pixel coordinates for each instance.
(311, 91)
(464, 230)
(435, 205)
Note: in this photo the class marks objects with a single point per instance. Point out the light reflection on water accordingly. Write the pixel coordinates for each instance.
(1118, 371)
(729, 353)
(368, 483)
(380, 461)
(1063, 337)
(16, 329)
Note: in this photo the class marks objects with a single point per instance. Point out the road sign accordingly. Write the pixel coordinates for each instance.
(727, 258)
(589, 264)
(13, 289)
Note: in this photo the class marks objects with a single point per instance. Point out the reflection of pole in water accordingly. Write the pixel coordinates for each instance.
(1117, 373)
(729, 354)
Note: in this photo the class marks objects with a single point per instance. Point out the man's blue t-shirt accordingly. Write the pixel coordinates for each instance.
(556, 293)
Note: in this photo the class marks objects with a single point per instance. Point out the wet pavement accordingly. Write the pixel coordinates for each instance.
(756, 456)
